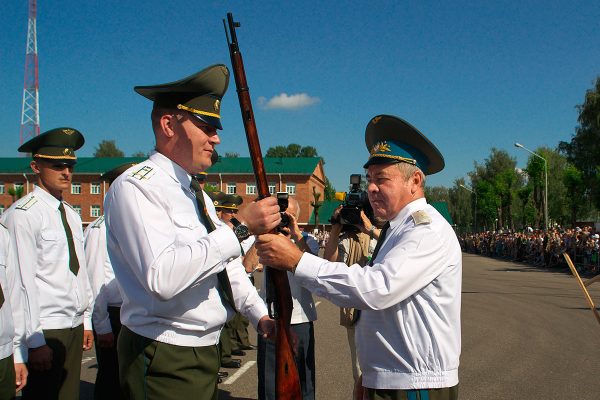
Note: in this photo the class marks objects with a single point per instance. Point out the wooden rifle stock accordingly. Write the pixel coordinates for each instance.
(287, 381)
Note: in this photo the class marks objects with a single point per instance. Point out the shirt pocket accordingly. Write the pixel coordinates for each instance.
(51, 244)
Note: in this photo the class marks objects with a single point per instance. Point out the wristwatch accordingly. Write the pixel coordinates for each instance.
(241, 231)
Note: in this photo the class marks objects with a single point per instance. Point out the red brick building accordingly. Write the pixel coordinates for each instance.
(297, 176)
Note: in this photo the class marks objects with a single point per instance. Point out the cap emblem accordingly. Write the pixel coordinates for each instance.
(217, 105)
(381, 147)
(68, 131)
(216, 203)
(67, 152)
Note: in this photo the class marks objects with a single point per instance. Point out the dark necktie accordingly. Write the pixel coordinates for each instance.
(379, 242)
(224, 283)
(73, 261)
(1, 297)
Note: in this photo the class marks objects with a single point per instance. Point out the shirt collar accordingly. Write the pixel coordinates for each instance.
(408, 209)
(172, 169)
(46, 197)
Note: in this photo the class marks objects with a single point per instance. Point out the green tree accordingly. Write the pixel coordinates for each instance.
(108, 148)
(574, 182)
(140, 154)
(329, 190)
(583, 151)
(291, 150)
(16, 192)
(436, 193)
(461, 204)
(232, 155)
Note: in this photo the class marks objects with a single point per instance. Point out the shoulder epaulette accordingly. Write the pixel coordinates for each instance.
(26, 204)
(98, 223)
(142, 173)
(421, 217)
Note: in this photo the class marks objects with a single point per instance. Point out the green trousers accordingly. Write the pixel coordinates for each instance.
(151, 370)
(61, 381)
(7, 378)
(423, 394)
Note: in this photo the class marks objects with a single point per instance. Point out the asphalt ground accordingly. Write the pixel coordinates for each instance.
(527, 334)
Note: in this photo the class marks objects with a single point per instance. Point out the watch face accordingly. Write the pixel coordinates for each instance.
(241, 231)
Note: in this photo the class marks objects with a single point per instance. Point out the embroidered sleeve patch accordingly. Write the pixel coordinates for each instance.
(421, 217)
(143, 173)
(27, 204)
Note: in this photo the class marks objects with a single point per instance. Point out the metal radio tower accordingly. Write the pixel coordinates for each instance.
(30, 114)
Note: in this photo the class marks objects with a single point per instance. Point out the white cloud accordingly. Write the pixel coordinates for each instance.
(288, 102)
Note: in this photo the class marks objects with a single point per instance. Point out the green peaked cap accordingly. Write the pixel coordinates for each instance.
(390, 139)
(56, 144)
(114, 173)
(200, 94)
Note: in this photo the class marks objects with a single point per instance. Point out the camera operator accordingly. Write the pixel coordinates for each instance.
(304, 312)
(352, 244)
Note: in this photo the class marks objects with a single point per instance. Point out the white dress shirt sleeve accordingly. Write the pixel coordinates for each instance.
(410, 262)
(24, 238)
(96, 255)
(165, 265)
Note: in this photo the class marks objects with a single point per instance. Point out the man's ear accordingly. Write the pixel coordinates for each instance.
(34, 166)
(167, 122)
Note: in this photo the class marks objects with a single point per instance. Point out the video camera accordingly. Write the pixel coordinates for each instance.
(355, 201)
(283, 203)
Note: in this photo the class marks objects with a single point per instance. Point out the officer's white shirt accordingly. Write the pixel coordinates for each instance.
(408, 334)
(55, 297)
(303, 305)
(102, 277)
(12, 316)
(165, 261)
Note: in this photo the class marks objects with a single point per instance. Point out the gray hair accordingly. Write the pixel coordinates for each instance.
(407, 170)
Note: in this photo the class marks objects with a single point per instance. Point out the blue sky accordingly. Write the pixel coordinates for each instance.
(470, 75)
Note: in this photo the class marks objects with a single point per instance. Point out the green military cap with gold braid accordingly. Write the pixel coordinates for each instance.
(390, 139)
(114, 173)
(217, 198)
(200, 94)
(56, 144)
(231, 202)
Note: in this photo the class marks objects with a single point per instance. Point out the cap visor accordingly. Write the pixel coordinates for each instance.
(212, 121)
(380, 160)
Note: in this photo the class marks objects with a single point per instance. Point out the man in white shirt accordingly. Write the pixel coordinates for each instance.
(178, 265)
(49, 244)
(13, 352)
(107, 302)
(410, 292)
(304, 312)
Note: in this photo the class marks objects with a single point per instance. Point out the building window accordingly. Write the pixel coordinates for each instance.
(95, 188)
(76, 188)
(77, 208)
(231, 189)
(95, 211)
(251, 188)
(272, 187)
(290, 188)
(1, 187)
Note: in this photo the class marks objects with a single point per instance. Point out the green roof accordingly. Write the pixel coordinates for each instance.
(325, 212)
(243, 165)
(442, 208)
(85, 165)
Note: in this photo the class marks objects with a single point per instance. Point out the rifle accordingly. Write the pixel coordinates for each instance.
(287, 383)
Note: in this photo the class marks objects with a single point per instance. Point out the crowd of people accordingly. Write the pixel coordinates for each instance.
(162, 282)
(539, 248)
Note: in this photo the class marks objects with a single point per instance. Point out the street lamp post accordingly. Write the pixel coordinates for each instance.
(475, 193)
(545, 185)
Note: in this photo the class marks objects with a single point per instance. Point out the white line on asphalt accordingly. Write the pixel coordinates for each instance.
(86, 359)
(239, 373)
